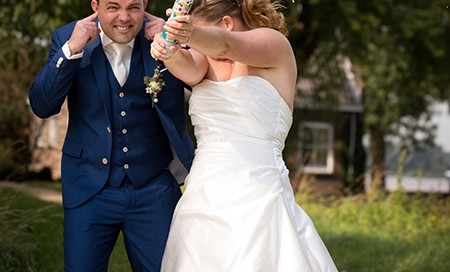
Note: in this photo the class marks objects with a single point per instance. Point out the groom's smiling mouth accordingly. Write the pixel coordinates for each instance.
(123, 28)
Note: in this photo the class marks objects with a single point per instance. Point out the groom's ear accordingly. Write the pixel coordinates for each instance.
(94, 5)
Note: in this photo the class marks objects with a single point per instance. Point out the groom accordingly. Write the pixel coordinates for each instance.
(120, 153)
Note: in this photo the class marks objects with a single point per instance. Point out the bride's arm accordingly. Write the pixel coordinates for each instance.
(186, 64)
(229, 39)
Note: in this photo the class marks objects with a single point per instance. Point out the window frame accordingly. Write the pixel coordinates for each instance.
(329, 167)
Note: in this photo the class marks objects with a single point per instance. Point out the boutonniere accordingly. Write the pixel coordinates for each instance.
(154, 84)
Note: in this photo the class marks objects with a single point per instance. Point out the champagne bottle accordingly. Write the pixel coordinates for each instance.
(180, 8)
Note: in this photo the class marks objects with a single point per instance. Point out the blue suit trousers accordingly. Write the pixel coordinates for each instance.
(143, 215)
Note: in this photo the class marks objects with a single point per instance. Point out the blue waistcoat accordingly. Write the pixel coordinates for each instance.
(136, 129)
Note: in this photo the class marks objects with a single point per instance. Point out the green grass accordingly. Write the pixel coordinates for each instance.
(45, 184)
(385, 233)
(377, 233)
(43, 233)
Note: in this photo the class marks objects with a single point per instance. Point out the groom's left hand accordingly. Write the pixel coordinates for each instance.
(153, 26)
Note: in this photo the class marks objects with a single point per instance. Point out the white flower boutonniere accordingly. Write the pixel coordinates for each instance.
(154, 84)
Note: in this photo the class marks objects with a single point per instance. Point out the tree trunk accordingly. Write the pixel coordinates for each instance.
(378, 167)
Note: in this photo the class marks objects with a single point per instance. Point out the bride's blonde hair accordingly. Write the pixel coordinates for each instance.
(254, 13)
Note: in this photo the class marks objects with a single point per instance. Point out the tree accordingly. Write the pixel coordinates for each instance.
(400, 47)
(25, 30)
(20, 58)
(402, 51)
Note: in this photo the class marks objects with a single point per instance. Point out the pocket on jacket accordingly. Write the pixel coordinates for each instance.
(73, 149)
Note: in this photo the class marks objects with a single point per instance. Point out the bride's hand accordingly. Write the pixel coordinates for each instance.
(179, 29)
(158, 49)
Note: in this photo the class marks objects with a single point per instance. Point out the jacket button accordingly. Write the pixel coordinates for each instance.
(105, 161)
(59, 62)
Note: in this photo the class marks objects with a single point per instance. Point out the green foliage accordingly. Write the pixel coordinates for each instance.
(25, 31)
(18, 247)
(384, 233)
(399, 49)
(32, 233)
(377, 233)
(10, 166)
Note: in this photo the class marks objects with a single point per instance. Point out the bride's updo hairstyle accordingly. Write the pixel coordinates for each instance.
(253, 13)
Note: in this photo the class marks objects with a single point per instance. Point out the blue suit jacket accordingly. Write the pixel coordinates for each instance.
(88, 143)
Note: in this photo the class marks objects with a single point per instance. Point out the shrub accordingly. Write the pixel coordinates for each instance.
(13, 159)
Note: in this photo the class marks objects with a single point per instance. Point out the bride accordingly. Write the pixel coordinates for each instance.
(238, 211)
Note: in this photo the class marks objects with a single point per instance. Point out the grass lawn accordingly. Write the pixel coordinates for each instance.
(387, 233)
(45, 224)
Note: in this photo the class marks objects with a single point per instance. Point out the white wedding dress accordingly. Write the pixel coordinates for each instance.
(238, 211)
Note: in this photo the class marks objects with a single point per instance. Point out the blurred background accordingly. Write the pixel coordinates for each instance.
(370, 141)
(373, 83)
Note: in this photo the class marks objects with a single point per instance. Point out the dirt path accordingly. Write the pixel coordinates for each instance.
(48, 195)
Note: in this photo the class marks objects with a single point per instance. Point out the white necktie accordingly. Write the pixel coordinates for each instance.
(118, 64)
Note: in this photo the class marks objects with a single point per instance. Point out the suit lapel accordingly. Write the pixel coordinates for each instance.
(149, 62)
(94, 52)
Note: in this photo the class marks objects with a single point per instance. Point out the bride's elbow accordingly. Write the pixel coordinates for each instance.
(197, 74)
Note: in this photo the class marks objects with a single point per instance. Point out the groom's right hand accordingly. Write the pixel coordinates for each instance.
(84, 32)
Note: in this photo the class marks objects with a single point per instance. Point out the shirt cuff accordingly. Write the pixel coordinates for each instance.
(67, 53)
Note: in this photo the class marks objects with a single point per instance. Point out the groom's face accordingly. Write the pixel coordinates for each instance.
(121, 20)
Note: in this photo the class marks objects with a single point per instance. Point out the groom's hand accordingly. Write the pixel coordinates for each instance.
(84, 32)
(153, 26)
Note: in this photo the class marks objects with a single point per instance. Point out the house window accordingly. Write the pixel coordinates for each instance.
(316, 147)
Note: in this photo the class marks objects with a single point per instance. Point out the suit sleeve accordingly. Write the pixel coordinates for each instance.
(50, 88)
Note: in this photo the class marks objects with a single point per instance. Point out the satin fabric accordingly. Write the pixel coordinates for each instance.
(238, 211)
